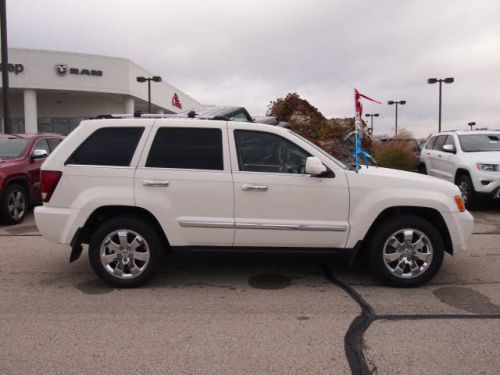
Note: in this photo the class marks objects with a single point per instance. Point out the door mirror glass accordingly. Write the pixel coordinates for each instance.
(39, 154)
(449, 148)
(314, 166)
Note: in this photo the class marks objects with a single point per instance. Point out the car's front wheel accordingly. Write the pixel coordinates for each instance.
(467, 189)
(126, 252)
(406, 251)
(14, 204)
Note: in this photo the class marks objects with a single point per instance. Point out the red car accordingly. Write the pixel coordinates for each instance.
(21, 156)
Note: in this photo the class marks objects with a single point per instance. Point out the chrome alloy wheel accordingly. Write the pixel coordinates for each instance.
(124, 254)
(16, 204)
(464, 190)
(407, 253)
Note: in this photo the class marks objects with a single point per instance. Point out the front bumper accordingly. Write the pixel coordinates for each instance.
(487, 183)
(460, 226)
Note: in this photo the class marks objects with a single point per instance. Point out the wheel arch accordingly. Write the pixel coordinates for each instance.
(104, 213)
(430, 214)
(20, 180)
(460, 172)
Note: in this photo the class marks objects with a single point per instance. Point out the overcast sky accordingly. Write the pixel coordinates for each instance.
(246, 53)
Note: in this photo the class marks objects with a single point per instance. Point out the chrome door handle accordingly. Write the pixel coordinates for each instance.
(155, 183)
(247, 187)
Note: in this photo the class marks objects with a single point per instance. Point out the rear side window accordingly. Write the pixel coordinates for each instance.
(186, 148)
(108, 146)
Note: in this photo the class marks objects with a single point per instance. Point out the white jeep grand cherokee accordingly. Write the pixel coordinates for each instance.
(471, 160)
(136, 188)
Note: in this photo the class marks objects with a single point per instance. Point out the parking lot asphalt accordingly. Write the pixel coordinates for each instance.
(247, 314)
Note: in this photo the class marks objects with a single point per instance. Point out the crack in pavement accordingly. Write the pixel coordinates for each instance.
(353, 339)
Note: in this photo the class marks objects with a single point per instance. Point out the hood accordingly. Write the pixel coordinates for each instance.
(385, 178)
(8, 162)
(491, 157)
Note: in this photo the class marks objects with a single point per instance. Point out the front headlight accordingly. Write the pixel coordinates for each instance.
(488, 167)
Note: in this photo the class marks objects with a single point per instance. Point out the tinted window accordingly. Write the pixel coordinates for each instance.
(480, 142)
(450, 141)
(108, 146)
(265, 152)
(42, 144)
(186, 148)
(53, 142)
(439, 142)
(13, 147)
(430, 144)
(240, 117)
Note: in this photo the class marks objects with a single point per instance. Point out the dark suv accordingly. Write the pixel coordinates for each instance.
(21, 156)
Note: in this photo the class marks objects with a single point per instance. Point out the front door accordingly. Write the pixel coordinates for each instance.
(276, 203)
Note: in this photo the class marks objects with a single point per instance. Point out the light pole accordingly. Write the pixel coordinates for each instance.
(391, 102)
(149, 79)
(5, 70)
(371, 120)
(471, 124)
(434, 80)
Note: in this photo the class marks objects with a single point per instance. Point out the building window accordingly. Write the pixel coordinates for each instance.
(17, 126)
(58, 125)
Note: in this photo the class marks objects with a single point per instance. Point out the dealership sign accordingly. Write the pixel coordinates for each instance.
(13, 68)
(62, 70)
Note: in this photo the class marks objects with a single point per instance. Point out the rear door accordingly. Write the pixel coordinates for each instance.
(184, 179)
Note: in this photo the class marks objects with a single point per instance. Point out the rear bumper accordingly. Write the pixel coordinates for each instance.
(460, 226)
(59, 224)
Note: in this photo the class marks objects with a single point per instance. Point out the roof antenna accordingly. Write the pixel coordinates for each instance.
(191, 114)
(137, 114)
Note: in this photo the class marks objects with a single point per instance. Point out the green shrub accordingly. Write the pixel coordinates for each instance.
(396, 155)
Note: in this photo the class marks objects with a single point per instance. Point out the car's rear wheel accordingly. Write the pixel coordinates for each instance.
(14, 204)
(467, 189)
(406, 251)
(126, 252)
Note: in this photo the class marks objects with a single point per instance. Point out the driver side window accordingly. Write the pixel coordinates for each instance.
(266, 152)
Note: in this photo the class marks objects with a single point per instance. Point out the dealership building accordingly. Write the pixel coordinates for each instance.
(51, 92)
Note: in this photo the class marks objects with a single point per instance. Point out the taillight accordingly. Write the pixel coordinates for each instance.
(48, 183)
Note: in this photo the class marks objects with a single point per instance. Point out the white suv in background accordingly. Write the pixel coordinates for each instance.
(136, 188)
(469, 159)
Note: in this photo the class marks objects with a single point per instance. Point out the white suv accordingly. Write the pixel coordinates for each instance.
(136, 188)
(470, 160)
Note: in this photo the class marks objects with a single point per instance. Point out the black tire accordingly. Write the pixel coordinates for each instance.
(398, 226)
(14, 204)
(422, 168)
(466, 187)
(148, 244)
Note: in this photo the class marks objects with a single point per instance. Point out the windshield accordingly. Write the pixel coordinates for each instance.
(480, 142)
(12, 147)
(319, 149)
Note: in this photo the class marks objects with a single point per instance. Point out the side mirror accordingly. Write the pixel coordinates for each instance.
(314, 166)
(39, 154)
(449, 148)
